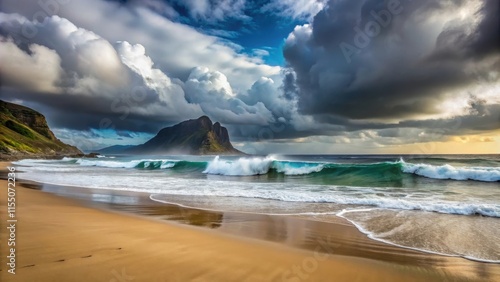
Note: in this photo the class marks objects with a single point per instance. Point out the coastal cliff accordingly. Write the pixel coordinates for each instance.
(24, 133)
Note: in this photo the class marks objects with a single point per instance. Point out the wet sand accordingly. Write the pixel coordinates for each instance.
(115, 236)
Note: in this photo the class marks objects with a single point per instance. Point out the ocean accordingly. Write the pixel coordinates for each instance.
(445, 204)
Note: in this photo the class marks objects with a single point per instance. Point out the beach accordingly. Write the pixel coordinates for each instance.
(62, 239)
(235, 140)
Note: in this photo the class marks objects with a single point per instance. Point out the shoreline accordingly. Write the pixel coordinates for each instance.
(370, 236)
(340, 220)
(412, 266)
(338, 215)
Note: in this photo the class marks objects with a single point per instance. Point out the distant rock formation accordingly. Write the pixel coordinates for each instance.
(194, 137)
(24, 133)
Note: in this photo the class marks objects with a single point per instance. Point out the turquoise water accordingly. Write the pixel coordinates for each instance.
(390, 198)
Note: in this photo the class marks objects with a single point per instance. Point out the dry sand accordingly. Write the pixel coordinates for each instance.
(60, 239)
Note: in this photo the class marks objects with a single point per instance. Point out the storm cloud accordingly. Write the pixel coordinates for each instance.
(369, 72)
(393, 60)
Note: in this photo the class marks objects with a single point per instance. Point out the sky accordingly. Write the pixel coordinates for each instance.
(284, 76)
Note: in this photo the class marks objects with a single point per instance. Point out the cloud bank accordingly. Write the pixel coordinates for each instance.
(372, 73)
(368, 64)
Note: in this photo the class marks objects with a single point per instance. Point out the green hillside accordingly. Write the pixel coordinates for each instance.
(25, 133)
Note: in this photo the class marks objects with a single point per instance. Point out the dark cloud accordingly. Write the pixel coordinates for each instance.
(78, 112)
(289, 87)
(489, 30)
(405, 70)
(428, 72)
(485, 119)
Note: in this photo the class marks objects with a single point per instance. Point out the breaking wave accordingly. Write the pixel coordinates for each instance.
(248, 166)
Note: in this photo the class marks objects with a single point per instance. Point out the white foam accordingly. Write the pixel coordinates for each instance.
(289, 169)
(377, 237)
(489, 174)
(110, 164)
(167, 164)
(32, 161)
(258, 166)
(68, 159)
(240, 167)
(432, 200)
(127, 164)
(288, 192)
(155, 197)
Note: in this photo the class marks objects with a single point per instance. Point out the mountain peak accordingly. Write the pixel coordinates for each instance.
(195, 136)
(205, 119)
(205, 122)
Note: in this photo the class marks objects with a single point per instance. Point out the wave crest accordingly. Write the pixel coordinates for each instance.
(488, 174)
(264, 165)
(140, 164)
(240, 167)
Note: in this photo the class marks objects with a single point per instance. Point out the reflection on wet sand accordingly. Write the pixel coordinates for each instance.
(337, 237)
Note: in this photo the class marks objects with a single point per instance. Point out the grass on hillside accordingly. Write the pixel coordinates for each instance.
(15, 136)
